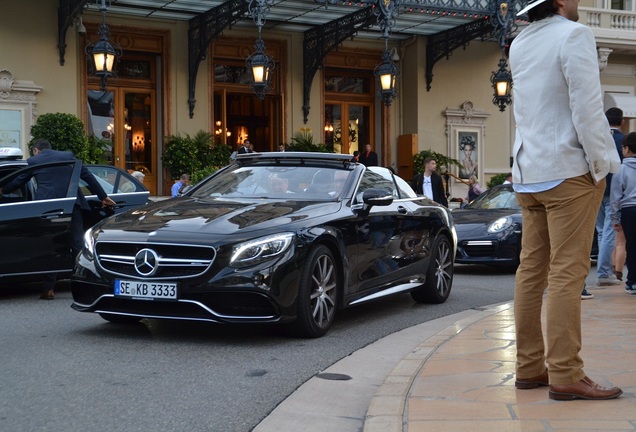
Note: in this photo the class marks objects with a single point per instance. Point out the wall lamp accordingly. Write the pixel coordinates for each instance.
(387, 71)
(259, 64)
(103, 54)
(501, 79)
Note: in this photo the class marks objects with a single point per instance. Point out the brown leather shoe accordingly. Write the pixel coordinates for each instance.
(48, 295)
(534, 382)
(584, 389)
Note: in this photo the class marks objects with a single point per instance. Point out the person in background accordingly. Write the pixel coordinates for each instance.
(356, 156)
(474, 188)
(52, 183)
(183, 181)
(429, 183)
(281, 147)
(246, 147)
(278, 184)
(562, 153)
(368, 157)
(508, 179)
(605, 232)
(618, 255)
(623, 207)
(138, 175)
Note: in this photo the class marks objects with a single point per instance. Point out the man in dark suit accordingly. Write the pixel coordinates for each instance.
(368, 157)
(429, 183)
(245, 148)
(52, 183)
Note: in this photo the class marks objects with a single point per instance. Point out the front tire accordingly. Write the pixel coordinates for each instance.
(317, 293)
(439, 275)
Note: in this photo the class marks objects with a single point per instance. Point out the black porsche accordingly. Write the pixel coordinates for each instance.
(271, 238)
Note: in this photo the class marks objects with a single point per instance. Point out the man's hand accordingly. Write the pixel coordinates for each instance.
(107, 202)
(618, 227)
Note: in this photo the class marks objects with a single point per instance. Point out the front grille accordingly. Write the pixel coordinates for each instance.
(173, 261)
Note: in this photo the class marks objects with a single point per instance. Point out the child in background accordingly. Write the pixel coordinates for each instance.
(623, 202)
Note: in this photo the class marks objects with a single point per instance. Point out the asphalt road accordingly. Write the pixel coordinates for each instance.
(62, 370)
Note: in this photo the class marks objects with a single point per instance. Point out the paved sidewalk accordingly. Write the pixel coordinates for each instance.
(457, 374)
(463, 378)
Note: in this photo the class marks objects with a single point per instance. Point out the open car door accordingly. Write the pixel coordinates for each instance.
(35, 234)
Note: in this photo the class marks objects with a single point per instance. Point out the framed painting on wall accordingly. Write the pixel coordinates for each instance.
(467, 150)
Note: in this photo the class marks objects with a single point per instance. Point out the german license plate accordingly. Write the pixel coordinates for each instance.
(146, 290)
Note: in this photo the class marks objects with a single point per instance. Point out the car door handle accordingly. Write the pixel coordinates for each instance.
(53, 214)
(402, 210)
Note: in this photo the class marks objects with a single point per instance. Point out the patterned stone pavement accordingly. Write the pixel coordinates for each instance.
(462, 378)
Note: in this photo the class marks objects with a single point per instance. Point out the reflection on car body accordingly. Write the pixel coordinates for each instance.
(236, 248)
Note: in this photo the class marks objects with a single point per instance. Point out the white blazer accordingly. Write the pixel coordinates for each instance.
(562, 131)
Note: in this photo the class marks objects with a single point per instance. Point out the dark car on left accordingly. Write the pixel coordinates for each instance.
(35, 234)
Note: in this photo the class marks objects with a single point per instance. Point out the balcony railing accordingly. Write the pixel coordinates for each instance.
(608, 19)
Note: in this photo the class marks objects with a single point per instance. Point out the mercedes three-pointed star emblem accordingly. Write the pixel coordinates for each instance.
(146, 262)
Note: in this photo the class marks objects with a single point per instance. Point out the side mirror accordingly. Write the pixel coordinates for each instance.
(376, 197)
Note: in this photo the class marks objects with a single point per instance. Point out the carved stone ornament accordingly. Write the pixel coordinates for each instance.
(11, 90)
(466, 114)
(603, 56)
(6, 82)
(19, 95)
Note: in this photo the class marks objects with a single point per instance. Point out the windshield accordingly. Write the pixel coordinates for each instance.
(495, 198)
(275, 182)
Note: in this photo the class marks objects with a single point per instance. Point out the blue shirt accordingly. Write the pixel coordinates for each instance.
(176, 188)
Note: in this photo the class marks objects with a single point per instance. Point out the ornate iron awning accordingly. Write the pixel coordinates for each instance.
(448, 24)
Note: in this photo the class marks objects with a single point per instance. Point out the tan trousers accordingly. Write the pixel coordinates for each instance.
(558, 229)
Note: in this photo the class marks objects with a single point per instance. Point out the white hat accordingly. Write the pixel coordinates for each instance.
(138, 175)
(530, 6)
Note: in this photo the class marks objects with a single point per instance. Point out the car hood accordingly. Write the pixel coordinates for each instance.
(215, 216)
(466, 217)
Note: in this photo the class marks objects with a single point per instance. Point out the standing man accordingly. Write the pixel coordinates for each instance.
(562, 153)
(52, 183)
(605, 230)
(183, 181)
(368, 157)
(429, 183)
(245, 147)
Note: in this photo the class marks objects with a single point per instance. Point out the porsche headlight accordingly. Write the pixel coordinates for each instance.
(500, 224)
(259, 250)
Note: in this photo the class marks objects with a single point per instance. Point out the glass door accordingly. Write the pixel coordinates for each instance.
(124, 118)
(347, 126)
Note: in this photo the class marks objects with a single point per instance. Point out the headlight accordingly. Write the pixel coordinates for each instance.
(500, 224)
(255, 251)
(89, 243)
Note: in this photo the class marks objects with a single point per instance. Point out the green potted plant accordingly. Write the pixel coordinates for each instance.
(198, 156)
(497, 179)
(304, 141)
(66, 132)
